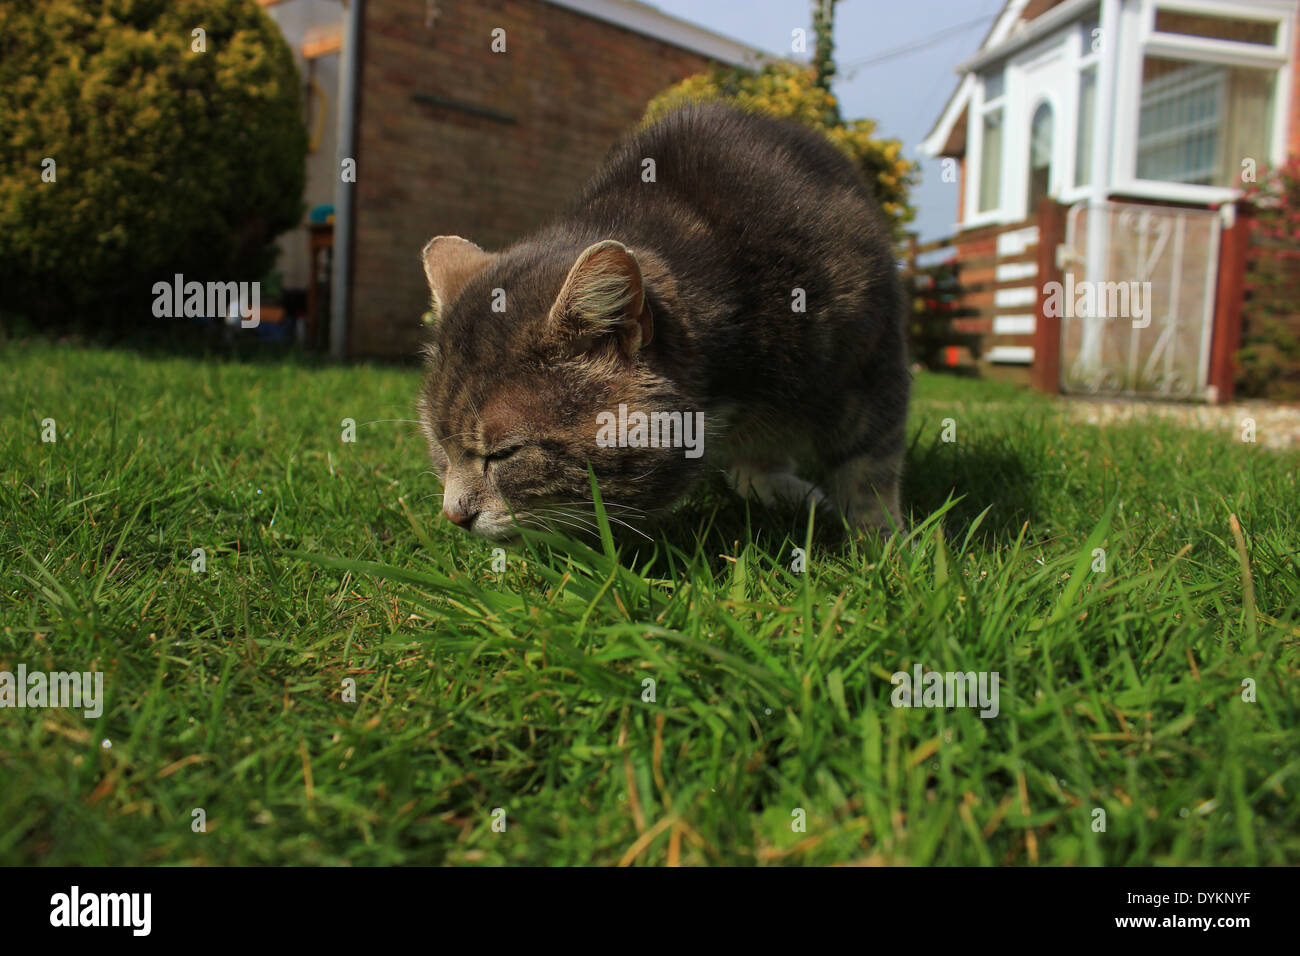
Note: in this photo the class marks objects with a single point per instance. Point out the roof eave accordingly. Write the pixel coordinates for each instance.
(957, 102)
(936, 143)
(1036, 30)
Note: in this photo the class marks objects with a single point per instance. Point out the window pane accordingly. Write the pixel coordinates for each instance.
(1199, 121)
(1040, 155)
(991, 162)
(1263, 32)
(1087, 111)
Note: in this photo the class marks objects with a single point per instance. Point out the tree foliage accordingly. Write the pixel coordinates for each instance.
(166, 158)
(791, 91)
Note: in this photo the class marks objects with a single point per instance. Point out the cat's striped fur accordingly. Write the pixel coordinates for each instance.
(675, 293)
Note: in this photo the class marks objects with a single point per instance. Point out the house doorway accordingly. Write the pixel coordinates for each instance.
(1042, 90)
(1040, 155)
(1138, 320)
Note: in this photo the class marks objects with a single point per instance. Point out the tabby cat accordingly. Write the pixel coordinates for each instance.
(722, 295)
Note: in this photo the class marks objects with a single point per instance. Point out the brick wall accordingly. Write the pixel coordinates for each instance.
(570, 86)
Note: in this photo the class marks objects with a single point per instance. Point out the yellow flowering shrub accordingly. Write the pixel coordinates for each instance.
(790, 91)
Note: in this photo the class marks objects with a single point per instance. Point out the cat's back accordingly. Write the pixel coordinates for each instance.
(730, 164)
(767, 190)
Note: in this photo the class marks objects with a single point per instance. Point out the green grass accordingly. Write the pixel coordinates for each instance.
(522, 690)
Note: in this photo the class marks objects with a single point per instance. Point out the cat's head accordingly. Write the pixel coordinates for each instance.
(530, 351)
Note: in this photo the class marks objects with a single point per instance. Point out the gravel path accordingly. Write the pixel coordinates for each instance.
(1276, 426)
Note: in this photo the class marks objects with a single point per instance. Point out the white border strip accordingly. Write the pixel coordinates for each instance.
(1011, 354)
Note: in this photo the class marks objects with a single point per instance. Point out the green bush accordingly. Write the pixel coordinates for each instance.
(166, 159)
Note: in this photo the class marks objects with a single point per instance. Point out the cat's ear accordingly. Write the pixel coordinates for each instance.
(449, 263)
(604, 294)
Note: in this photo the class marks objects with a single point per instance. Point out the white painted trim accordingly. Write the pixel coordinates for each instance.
(1131, 188)
(1011, 354)
(1105, 119)
(1138, 19)
(1014, 324)
(1211, 278)
(1282, 104)
(1072, 194)
(1045, 71)
(1127, 103)
(1056, 54)
(1016, 298)
(1017, 242)
(932, 145)
(994, 218)
(1013, 271)
(649, 21)
(1238, 10)
(1213, 51)
(961, 96)
(972, 215)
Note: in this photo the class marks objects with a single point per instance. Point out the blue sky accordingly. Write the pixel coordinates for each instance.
(903, 93)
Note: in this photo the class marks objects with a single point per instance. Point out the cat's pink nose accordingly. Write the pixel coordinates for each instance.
(462, 519)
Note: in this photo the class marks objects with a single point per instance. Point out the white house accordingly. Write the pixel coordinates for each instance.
(1100, 105)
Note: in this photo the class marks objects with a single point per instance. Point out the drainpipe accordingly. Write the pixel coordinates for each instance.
(1103, 124)
(344, 226)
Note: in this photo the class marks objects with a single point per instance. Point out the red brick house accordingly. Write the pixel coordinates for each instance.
(1144, 118)
(473, 117)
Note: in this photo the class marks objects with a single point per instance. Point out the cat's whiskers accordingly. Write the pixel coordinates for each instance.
(556, 512)
(650, 472)
(607, 504)
(611, 519)
(549, 518)
(629, 527)
(443, 439)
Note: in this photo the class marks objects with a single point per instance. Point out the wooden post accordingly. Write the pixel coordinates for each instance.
(1225, 338)
(1045, 374)
(910, 255)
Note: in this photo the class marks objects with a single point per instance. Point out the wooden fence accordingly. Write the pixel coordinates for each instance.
(999, 278)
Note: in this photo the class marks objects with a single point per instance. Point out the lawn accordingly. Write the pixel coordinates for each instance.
(519, 696)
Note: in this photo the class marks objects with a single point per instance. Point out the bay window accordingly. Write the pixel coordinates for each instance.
(1208, 85)
(992, 117)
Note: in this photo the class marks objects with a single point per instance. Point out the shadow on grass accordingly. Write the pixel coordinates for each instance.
(716, 525)
(152, 338)
(986, 472)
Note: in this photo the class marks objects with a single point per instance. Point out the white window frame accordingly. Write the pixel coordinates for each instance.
(1072, 47)
(973, 217)
(1139, 39)
(1086, 59)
